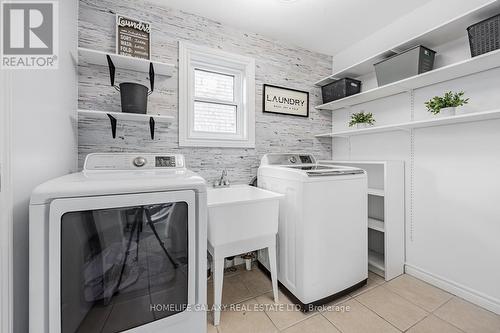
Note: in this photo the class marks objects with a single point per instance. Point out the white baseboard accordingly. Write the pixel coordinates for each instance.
(457, 289)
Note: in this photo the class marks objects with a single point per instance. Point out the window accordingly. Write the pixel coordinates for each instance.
(216, 98)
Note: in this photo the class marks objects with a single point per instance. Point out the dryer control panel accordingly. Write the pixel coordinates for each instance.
(120, 161)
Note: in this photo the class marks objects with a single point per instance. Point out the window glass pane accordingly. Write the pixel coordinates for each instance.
(213, 85)
(123, 267)
(213, 117)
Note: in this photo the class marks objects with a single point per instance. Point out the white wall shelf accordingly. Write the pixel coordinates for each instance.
(125, 116)
(375, 224)
(446, 32)
(463, 68)
(124, 62)
(386, 215)
(462, 118)
(115, 117)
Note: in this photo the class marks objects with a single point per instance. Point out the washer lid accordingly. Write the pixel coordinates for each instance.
(326, 170)
(123, 177)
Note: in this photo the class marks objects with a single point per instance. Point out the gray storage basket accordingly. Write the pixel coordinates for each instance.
(484, 36)
(411, 62)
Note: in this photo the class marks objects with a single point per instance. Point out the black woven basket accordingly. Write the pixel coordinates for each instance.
(484, 36)
(340, 89)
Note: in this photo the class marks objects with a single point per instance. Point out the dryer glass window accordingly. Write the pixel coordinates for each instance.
(123, 267)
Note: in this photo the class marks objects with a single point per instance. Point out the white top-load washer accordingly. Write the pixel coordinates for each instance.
(322, 237)
(119, 247)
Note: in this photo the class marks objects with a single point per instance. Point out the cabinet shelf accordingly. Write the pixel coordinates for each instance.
(386, 214)
(375, 224)
(463, 68)
(463, 118)
(124, 62)
(446, 32)
(125, 116)
(375, 191)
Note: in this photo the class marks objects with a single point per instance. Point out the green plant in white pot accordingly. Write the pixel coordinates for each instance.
(447, 104)
(362, 119)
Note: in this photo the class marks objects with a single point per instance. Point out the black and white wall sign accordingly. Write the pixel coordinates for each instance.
(286, 101)
(133, 37)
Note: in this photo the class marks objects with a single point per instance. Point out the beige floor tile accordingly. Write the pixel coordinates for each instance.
(247, 319)
(419, 292)
(469, 317)
(315, 324)
(374, 280)
(392, 307)
(333, 306)
(233, 291)
(285, 313)
(433, 324)
(356, 318)
(256, 281)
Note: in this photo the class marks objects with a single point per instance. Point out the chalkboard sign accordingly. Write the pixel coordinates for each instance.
(133, 37)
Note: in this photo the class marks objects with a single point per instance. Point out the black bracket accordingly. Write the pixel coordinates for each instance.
(152, 127)
(152, 76)
(113, 125)
(112, 70)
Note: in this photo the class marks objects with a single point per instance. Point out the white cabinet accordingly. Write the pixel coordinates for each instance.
(386, 215)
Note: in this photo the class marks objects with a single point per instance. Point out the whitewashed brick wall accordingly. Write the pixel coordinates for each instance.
(277, 63)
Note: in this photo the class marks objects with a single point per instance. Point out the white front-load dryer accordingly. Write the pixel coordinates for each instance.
(322, 237)
(119, 247)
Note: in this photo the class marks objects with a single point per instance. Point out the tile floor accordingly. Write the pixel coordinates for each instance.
(404, 304)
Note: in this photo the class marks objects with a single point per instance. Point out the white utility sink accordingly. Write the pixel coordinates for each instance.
(241, 212)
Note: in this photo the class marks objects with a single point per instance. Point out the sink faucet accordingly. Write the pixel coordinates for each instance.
(222, 181)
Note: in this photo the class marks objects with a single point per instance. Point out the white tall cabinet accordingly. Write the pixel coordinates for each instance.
(386, 215)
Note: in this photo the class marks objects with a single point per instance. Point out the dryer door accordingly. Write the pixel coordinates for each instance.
(121, 262)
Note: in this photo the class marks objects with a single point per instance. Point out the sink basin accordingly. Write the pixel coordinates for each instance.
(241, 212)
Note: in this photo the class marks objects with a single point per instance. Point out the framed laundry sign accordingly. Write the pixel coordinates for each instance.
(133, 37)
(285, 101)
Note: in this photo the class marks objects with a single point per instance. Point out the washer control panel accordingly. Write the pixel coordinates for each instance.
(287, 159)
(120, 161)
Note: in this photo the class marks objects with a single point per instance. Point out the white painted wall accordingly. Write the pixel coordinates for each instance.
(452, 222)
(453, 214)
(426, 17)
(43, 142)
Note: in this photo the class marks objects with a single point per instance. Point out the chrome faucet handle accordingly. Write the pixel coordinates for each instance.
(222, 181)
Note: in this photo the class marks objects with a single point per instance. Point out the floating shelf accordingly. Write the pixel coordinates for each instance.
(446, 32)
(375, 224)
(125, 62)
(114, 117)
(125, 116)
(463, 118)
(375, 191)
(376, 260)
(463, 68)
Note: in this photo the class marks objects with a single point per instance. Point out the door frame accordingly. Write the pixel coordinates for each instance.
(6, 218)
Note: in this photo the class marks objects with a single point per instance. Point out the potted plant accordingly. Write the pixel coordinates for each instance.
(362, 119)
(447, 104)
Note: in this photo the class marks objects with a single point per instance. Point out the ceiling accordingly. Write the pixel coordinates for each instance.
(326, 26)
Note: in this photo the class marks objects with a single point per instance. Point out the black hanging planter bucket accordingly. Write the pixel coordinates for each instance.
(134, 97)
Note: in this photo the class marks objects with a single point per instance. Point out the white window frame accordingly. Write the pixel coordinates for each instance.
(242, 68)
